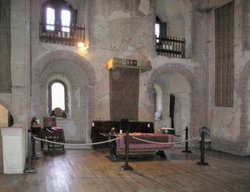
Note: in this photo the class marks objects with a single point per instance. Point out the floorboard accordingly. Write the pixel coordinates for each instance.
(91, 171)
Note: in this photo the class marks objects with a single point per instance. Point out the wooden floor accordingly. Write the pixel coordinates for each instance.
(91, 171)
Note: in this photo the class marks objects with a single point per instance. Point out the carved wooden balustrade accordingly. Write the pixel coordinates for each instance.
(171, 47)
(66, 35)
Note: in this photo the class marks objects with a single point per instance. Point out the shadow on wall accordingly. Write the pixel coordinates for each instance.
(6, 119)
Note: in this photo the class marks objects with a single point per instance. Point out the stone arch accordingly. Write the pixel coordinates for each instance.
(162, 87)
(4, 104)
(71, 2)
(190, 77)
(64, 55)
(63, 73)
(8, 107)
(40, 74)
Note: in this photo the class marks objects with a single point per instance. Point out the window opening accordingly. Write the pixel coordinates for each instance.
(170, 46)
(160, 28)
(58, 24)
(224, 55)
(65, 18)
(157, 32)
(50, 19)
(57, 96)
(58, 16)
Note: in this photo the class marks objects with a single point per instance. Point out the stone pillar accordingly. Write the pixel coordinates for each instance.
(13, 150)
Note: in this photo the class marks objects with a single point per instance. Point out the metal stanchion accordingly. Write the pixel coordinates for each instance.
(34, 157)
(29, 169)
(126, 167)
(186, 143)
(125, 126)
(33, 147)
(202, 149)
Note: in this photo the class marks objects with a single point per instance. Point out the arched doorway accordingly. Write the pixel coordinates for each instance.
(180, 98)
(175, 101)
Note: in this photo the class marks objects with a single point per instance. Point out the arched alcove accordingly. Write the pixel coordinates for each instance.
(79, 77)
(176, 101)
(6, 118)
(176, 80)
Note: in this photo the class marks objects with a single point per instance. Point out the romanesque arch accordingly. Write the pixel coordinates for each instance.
(78, 65)
(195, 120)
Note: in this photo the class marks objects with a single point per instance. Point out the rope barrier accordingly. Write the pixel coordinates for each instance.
(60, 143)
(111, 140)
(184, 130)
(160, 143)
(180, 133)
(126, 167)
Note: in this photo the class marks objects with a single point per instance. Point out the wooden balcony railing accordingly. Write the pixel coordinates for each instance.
(73, 35)
(171, 47)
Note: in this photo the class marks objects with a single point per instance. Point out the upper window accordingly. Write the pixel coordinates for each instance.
(58, 24)
(65, 18)
(160, 28)
(168, 45)
(224, 55)
(58, 16)
(157, 32)
(50, 19)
